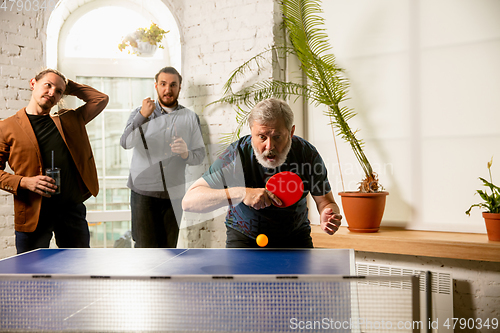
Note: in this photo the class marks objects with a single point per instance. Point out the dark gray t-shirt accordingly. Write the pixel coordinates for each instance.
(238, 166)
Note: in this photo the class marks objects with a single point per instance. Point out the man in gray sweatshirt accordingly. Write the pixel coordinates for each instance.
(165, 137)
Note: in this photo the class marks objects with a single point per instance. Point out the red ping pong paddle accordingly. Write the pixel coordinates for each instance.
(287, 186)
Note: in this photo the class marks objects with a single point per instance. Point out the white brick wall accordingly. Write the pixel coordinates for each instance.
(21, 56)
(216, 36)
(214, 45)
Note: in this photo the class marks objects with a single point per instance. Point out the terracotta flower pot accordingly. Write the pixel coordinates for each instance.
(363, 211)
(492, 221)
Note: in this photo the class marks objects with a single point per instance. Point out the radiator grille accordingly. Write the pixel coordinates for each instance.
(440, 282)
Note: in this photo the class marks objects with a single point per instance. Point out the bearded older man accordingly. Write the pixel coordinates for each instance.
(239, 176)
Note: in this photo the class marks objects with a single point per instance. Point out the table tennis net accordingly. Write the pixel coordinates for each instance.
(256, 303)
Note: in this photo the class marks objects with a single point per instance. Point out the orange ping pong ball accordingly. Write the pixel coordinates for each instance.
(261, 240)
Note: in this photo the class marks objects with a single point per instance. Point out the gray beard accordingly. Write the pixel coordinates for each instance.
(280, 158)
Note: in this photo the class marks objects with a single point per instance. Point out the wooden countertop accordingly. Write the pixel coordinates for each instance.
(411, 242)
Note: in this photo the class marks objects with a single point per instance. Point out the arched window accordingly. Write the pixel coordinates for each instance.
(87, 52)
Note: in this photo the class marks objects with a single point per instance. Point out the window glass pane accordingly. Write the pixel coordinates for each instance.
(90, 81)
(105, 131)
(117, 194)
(95, 204)
(142, 88)
(110, 24)
(119, 92)
(116, 233)
(96, 233)
(110, 234)
(117, 161)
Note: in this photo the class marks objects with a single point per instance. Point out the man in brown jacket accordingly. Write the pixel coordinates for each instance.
(31, 141)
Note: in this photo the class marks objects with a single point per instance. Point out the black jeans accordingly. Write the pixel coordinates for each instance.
(300, 239)
(153, 221)
(66, 221)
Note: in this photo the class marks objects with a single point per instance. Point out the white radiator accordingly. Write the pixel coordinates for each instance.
(441, 288)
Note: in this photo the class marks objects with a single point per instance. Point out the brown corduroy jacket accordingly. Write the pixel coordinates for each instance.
(19, 147)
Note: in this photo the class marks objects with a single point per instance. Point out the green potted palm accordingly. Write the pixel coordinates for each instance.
(144, 41)
(491, 202)
(326, 86)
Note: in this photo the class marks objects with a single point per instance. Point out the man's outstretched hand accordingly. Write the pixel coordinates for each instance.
(330, 221)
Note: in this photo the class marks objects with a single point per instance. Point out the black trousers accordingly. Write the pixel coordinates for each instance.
(153, 222)
(299, 239)
(67, 222)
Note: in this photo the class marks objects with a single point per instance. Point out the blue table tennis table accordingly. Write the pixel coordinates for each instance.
(177, 290)
(169, 262)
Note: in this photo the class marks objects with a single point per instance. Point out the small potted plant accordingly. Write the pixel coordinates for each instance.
(144, 41)
(492, 205)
